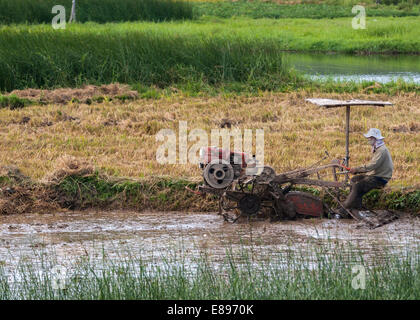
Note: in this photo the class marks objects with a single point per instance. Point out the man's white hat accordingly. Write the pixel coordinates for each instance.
(373, 132)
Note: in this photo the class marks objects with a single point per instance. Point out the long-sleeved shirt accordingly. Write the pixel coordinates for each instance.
(380, 166)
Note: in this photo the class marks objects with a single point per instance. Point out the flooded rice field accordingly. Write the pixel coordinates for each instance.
(119, 235)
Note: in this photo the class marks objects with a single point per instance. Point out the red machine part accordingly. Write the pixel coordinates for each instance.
(240, 158)
(207, 154)
(306, 203)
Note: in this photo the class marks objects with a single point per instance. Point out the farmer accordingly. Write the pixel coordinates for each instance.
(373, 175)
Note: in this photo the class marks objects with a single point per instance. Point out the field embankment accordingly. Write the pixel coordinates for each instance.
(77, 185)
(32, 12)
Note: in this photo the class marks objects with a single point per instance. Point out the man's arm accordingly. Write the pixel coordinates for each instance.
(372, 165)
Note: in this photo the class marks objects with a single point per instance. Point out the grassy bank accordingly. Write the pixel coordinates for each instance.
(324, 273)
(13, 102)
(77, 185)
(169, 194)
(209, 51)
(274, 10)
(27, 11)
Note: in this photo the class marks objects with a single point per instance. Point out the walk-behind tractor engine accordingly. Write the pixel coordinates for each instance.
(247, 189)
(221, 166)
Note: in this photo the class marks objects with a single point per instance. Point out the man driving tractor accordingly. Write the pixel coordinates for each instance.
(375, 174)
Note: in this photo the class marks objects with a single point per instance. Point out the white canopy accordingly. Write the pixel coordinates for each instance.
(332, 103)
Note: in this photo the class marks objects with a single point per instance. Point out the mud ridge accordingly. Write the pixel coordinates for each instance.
(76, 184)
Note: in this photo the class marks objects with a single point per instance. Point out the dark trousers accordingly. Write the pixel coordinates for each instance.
(360, 185)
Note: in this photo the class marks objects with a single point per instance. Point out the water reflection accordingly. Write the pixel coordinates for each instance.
(357, 68)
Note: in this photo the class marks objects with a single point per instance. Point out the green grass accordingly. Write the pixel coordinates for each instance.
(229, 89)
(272, 10)
(75, 192)
(322, 272)
(209, 51)
(400, 2)
(13, 102)
(169, 194)
(28, 11)
(159, 54)
(391, 88)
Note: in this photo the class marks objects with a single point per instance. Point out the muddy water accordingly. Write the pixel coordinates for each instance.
(118, 235)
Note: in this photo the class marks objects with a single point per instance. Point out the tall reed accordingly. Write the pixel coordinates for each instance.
(128, 53)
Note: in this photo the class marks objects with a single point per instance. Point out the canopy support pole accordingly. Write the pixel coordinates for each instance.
(347, 158)
(347, 136)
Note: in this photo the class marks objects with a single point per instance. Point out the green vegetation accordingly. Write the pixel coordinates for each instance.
(159, 54)
(324, 272)
(393, 199)
(170, 194)
(390, 88)
(228, 89)
(400, 2)
(272, 10)
(208, 51)
(13, 102)
(28, 11)
(77, 192)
